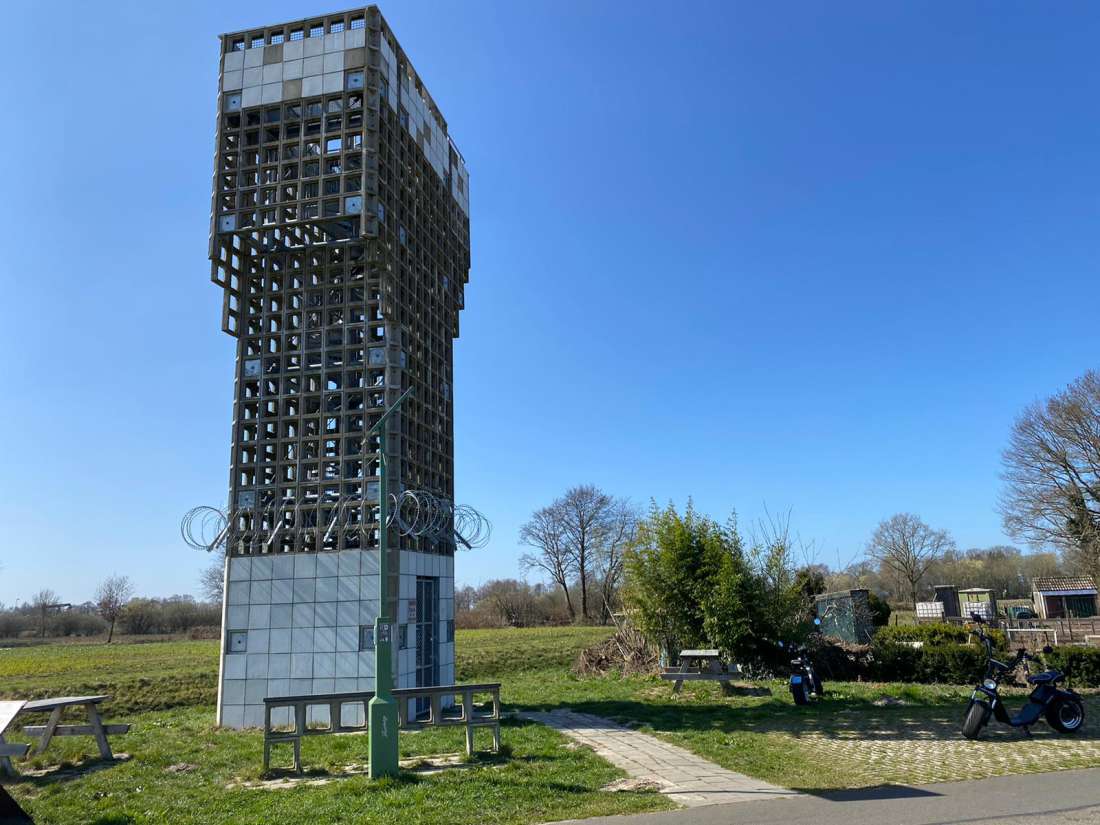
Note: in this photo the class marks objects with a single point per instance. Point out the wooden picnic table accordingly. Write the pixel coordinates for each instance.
(44, 733)
(702, 665)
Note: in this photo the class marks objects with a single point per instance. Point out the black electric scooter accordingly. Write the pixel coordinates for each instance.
(804, 684)
(1062, 707)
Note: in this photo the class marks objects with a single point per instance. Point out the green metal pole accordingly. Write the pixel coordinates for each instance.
(382, 720)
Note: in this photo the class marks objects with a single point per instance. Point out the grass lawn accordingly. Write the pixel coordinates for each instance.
(184, 771)
(847, 740)
(148, 676)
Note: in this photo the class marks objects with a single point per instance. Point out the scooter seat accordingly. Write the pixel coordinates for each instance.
(1043, 678)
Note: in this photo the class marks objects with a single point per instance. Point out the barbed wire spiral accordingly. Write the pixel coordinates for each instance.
(420, 513)
(204, 528)
(415, 513)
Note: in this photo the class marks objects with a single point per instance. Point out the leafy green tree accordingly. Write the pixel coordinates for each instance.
(730, 623)
(677, 570)
(690, 582)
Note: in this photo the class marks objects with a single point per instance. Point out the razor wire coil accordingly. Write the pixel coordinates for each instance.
(413, 513)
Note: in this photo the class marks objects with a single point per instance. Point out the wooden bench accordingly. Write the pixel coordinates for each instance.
(8, 712)
(702, 665)
(437, 714)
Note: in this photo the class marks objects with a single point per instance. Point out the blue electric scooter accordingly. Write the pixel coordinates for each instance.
(804, 684)
(1062, 707)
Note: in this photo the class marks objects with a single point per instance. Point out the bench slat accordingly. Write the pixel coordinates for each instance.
(701, 677)
(39, 705)
(13, 749)
(359, 696)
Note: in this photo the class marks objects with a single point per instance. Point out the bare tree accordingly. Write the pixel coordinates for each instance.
(1052, 475)
(621, 530)
(465, 599)
(580, 540)
(43, 602)
(584, 512)
(546, 534)
(44, 598)
(212, 581)
(110, 597)
(907, 547)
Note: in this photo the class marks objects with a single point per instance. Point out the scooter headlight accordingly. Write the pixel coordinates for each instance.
(989, 684)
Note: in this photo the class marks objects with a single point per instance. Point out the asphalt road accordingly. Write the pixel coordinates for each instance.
(1061, 798)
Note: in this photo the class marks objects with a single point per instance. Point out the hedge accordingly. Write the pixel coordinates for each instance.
(1080, 664)
(959, 664)
(949, 663)
(940, 633)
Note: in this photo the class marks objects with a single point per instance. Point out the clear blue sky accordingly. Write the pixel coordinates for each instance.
(809, 255)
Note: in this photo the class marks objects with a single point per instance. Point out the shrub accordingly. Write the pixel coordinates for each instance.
(880, 610)
(691, 582)
(177, 614)
(682, 580)
(951, 664)
(947, 663)
(840, 661)
(1080, 664)
(895, 663)
(75, 623)
(940, 633)
(509, 603)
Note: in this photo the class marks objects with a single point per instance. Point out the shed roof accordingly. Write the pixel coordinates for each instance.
(1048, 583)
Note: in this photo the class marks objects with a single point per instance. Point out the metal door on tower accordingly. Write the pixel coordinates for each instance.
(427, 640)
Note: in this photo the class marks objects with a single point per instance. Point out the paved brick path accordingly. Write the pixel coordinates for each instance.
(680, 774)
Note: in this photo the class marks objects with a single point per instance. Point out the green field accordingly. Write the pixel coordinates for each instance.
(158, 676)
(184, 770)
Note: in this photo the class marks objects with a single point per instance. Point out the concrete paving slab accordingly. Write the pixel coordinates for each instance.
(681, 775)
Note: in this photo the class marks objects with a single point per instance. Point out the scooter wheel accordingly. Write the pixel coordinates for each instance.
(801, 693)
(974, 721)
(1066, 715)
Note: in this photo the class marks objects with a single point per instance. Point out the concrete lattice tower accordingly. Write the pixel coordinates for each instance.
(340, 236)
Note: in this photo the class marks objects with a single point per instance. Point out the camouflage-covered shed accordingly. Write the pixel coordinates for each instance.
(846, 615)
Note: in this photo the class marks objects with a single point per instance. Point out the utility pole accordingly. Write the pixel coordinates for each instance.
(382, 719)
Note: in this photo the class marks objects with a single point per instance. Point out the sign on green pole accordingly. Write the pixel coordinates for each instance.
(382, 720)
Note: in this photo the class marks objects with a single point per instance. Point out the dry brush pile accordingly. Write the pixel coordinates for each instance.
(627, 653)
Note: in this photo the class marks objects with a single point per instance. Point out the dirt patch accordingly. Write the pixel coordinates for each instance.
(66, 771)
(419, 765)
(632, 785)
(889, 702)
